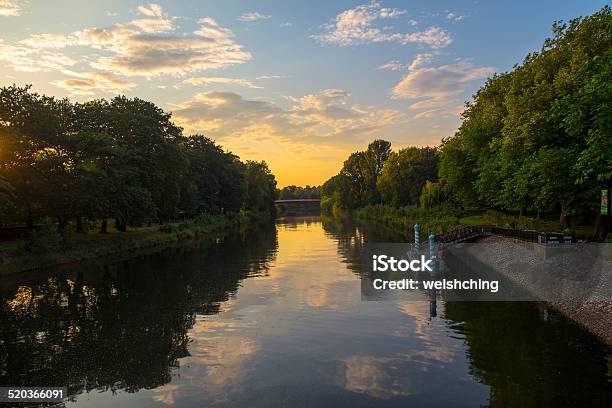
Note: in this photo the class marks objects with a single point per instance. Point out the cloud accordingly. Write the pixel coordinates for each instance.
(391, 66)
(220, 80)
(272, 77)
(24, 58)
(323, 117)
(437, 86)
(46, 41)
(143, 48)
(285, 24)
(395, 65)
(151, 10)
(454, 16)
(90, 83)
(420, 59)
(156, 22)
(253, 16)
(11, 8)
(356, 26)
(439, 112)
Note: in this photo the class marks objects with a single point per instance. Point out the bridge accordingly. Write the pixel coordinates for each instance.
(298, 201)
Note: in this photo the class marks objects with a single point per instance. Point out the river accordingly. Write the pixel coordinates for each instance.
(274, 317)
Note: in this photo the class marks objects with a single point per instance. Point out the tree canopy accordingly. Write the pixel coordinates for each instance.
(538, 138)
(121, 158)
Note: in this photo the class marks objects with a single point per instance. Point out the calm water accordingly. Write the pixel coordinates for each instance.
(274, 317)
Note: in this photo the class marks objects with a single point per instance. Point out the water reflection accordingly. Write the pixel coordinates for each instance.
(122, 326)
(275, 317)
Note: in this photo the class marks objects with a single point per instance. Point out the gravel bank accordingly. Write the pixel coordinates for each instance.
(577, 284)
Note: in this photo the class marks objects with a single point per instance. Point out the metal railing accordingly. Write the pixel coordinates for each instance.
(469, 233)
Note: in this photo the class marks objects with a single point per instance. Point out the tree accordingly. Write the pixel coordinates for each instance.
(34, 130)
(7, 205)
(297, 192)
(405, 174)
(215, 178)
(538, 138)
(260, 187)
(123, 159)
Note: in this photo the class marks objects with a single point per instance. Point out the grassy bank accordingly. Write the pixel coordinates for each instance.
(48, 247)
(442, 219)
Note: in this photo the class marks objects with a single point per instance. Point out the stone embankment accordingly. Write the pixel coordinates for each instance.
(576, 280)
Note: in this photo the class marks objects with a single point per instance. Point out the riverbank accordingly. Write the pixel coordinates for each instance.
(47, 248)
(440, 220)
(591, 308)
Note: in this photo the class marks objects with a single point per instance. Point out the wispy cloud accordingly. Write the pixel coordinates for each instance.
(323, 117)
(26, 59)
(391, 66)
(156, 22)
(418, 61)
(220, 80)
(285, 24)
(357, 26)
(453, 16)
(272, 77)
(253, 16)
(141, 47)
(12, 7)
(93, 82)
(439, 85)
(150, 10)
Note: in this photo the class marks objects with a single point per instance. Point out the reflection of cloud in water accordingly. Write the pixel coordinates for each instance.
(300, 275)
(423, 328)
(374, 376)
(223, 357)
(438, 353)
(221, 348)
(165, 393)
(431, 334)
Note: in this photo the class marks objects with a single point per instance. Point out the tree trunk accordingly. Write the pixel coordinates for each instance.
(104, 227)
(601, 227)
(120, 225)
(62, 223)
(79, 226)
(564, 218)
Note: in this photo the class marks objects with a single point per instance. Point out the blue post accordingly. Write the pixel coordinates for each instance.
(417, 238)
(432, 246)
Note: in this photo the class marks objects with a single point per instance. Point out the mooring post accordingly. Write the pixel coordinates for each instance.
(432, 249)
(417, 237)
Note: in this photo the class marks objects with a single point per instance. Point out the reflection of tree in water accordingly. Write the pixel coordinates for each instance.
(352, 236)
(121, 326)
(528, 355)
(531, 356)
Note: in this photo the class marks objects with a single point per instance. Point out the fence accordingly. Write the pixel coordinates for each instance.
(469, 233)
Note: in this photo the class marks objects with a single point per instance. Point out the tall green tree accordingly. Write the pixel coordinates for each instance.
(260, 187)
(538, 138)
(405, 174)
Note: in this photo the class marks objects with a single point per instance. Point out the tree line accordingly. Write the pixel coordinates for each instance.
(122, 159)
(294, 192)
(536, 139)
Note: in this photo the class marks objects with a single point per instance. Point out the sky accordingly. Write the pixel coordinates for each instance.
(300, 85)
